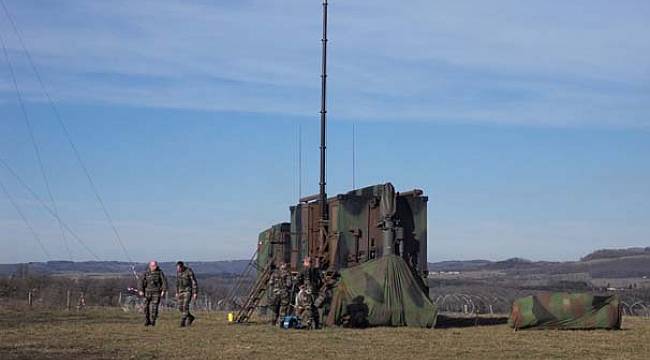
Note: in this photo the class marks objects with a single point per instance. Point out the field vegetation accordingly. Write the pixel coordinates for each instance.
(111, 333)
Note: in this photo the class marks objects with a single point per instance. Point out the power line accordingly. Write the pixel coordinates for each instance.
(66, 133)
(22, 215)
(32, 137)
(47, 208)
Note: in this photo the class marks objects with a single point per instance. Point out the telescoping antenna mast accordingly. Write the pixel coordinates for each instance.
(323, 140)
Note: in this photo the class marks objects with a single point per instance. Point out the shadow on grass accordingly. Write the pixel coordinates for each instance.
(451, 321)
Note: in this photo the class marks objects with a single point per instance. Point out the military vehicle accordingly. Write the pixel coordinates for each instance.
(374, 239)
(364, 224)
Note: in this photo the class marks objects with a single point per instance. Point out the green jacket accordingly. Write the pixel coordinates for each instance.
(186, 281)
(280, 282)
(153, 281)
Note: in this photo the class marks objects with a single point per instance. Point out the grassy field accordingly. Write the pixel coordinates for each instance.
(107, 334)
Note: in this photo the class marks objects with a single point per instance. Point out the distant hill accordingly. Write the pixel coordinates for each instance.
(458, 265)
(120, 268)
(616, 253)
(610, 263)
(606, 263)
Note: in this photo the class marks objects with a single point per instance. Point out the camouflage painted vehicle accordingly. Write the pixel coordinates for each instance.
(566, 311)
(274, 244)
(365, 224)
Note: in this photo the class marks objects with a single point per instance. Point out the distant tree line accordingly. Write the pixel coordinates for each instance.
(56, 291)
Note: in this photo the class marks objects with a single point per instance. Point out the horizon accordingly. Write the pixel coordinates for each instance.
(528, 128)
(189, 262)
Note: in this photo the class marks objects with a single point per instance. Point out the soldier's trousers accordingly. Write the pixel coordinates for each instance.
(308, 316)
(280, 304)
(184, 300)
(151, 303)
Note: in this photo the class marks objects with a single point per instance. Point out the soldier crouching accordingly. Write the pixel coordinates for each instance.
(310, 281)
(187, 290)
(305, 309)
(152, 285)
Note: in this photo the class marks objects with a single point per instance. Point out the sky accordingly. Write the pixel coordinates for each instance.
(527, 124)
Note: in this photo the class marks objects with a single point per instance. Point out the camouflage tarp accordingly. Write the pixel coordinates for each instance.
(566, 311)
(383, 292)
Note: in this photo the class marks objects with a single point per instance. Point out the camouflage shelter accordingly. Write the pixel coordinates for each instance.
(376, 240)
(566, 311)
(381, 292)
(364, 224)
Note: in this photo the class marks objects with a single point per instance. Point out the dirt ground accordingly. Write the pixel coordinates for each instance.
(112, 333)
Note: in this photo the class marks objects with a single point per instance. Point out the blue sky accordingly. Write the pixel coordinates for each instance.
(526, 124)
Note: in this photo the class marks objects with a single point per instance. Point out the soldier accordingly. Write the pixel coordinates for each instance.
(305, 309)
(153, 286)
(280, 288)
(310, 275)
(323, 301)
(311, 281)
(187, 289)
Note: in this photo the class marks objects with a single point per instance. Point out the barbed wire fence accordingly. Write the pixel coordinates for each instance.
(484, 304)
(59, 293)
(218, 295)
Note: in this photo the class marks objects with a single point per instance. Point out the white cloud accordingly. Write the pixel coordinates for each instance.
(544, 64)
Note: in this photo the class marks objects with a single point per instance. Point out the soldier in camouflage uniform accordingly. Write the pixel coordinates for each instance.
(187, 289)
(280, 289)
(323, 300)
(310, 281)
(152, 285)
(305, 309)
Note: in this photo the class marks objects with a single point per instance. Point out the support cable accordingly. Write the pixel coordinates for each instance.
(35, 146)
(27, 223)
(76, 152)
(47, 208)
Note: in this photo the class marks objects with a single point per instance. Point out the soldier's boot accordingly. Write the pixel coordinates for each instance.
(183, 321)
(190, 320)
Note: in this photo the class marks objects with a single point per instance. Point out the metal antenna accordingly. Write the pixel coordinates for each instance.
(354, 157)
(299, 160)
(323, 129)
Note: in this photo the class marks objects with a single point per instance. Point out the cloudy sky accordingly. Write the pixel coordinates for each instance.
(527, 124)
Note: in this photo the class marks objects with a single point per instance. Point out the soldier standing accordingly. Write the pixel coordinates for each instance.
(310, 275)
(187, 289)
(323, 301)
(280, 286)
(153, 285)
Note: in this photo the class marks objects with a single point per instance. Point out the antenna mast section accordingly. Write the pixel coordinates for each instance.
(323, 139)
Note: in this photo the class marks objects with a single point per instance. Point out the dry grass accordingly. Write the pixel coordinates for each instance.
(103, 334)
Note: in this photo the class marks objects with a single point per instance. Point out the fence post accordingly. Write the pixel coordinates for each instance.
(67, 300)
(29, 298)
(119, 300)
